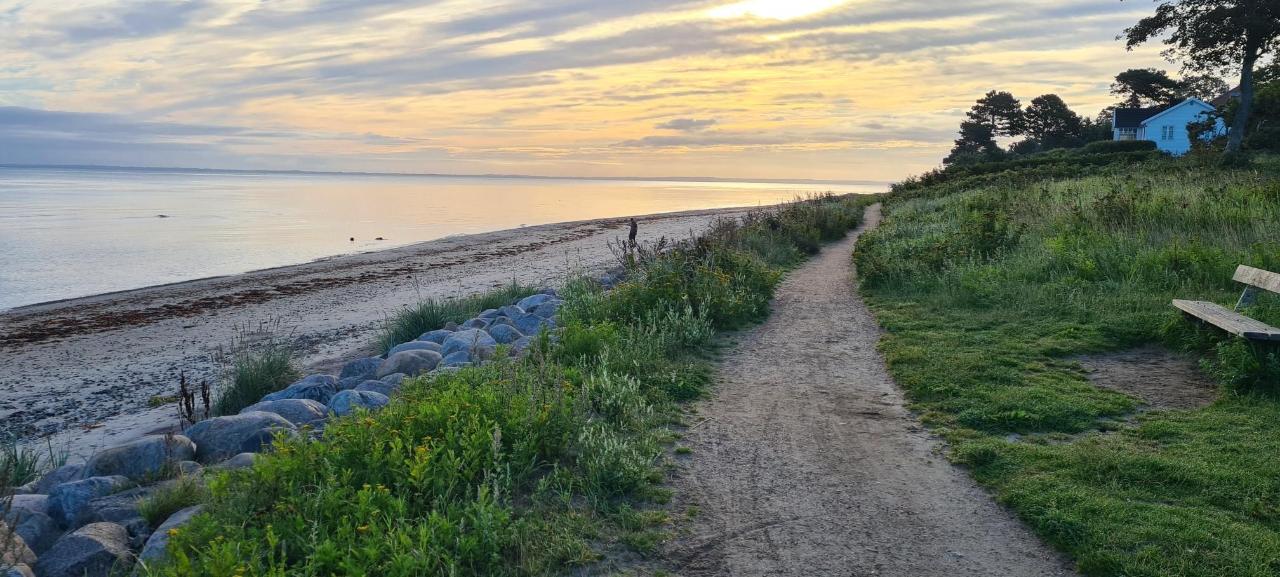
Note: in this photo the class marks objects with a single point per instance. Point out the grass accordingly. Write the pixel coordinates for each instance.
(258, 362)
(988, 286)
(180, 493)
(527, 466)
(431, 314)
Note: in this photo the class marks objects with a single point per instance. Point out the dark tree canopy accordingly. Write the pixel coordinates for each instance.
(1214, 36)
(1206, 87)
(1051, 122)
(999, 111)
(1140, 87)
(976, 143)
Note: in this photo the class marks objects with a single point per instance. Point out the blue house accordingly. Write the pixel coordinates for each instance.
(1165, 125)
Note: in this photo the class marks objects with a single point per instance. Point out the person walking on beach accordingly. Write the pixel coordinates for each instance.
(631, 237)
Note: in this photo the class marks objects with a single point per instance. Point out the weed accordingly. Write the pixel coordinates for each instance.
(258, 362)
(173, 496)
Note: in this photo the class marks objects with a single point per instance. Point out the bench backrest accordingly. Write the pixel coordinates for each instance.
(1257, 277)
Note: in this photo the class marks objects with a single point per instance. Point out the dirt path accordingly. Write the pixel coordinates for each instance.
(809, 465)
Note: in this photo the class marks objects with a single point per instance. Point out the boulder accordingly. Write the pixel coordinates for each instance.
(476, 324)
(360, 368)
(546, 310)
(457, 359)
(394, 379)
(191, 468)
(451, 326)
(413, 346)
(151, 457)
(532, 324)
(437, 336)
(95, 550)
(158, 543)
(410, 363)
(63, 474)
(118, 507)
(531, 301)
(378, 387)
(350, 382)
(489, 314)
(69, 502)
(511, 311)
(28, 515)
(348, 402)
(241, 461)
(315, 387)
(19, 570)
(29, 504)
(297, 411)
(13, 548)
(224, 437)
(521, 345)
(471, 340)
(505, 334)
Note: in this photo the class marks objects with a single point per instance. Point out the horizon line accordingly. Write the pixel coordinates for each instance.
(441, 175)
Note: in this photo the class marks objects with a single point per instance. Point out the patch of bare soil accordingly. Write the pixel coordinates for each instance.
(806, 462)
(1154, 374)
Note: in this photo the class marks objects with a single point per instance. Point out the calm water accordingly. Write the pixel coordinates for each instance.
(69, 233)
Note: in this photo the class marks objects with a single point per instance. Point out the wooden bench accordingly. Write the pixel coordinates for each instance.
(1255, 280)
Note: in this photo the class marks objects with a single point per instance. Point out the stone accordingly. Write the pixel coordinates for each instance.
(348, 402)
(119, 507)
(63, 474)
(394, 379)
(94, 550)
(378, 387)
(451, 326)
(410, 363)
(505, 334)
(531, 301)
(532, 324)
(13, 548)
(19, 570)
(546, 310)
(69, 502)
(360, 368)
(190, 469)
(28, 515)
(413, 346)
(350, 382)
(315, 387)
(489, 314)
(457, 359)
(521, 345)
(241, 461)
(224, 437)
(476, 324)
(297, 411)
(437, 336)
(29, 504)
(151, 457)
(512, 311)
(158, 544)
(471, 340)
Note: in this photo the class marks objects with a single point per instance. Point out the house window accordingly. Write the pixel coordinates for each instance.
(1166, 132)
(1127, 134)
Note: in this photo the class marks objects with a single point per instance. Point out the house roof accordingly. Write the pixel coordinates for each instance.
(1226, 97)
(1133, 117)
(1190, 101)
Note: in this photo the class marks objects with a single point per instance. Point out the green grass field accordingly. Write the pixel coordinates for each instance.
(988, 284)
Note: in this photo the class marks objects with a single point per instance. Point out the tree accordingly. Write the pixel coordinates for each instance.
(1051, 122)
(1139, 87)
(976, 143)
(999, 111)
(1206, 87)
(1213, 35)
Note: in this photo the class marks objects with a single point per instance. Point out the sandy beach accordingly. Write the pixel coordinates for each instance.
(79, 373)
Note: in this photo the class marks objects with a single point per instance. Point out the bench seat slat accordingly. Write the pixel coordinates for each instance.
(1263, 279)
(1228, 320)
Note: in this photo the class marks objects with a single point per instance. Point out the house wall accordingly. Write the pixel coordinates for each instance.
(1178, 142)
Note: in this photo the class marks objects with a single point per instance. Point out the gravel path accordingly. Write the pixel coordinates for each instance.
(808, 464)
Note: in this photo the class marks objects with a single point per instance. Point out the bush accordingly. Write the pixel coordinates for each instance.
(1114, 146)
(172, 497)
(257, 363)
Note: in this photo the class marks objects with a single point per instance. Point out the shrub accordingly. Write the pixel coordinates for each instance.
(257, 363)
(1114, 146)
(174, 496)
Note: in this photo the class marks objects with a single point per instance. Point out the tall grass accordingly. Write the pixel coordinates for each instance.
(513, 468)
(257, 362)
(431, 314)
(988, 287)
(180, 493)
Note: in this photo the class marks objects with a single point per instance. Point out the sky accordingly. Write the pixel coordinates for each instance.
(815, 89)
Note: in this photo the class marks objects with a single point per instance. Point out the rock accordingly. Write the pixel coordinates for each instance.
(69, 502)
(29, 504)
(151, 457)
(451, 326)
(350, 382)
(532, 324)
(546, 310)
(489, 314)
(394, 379)
(190, 468)
(348, 402)
(94, 550)
(13, 548)
(63, 474)
(505, 334)
(315, 387)
(437, 336)
(476, 324)
(512, 311)
(224, 437)
(413, 346)
(120, 507)
(457, 359)
(521, 345)
(139, 531)
(26, 489)
(158, 544)
(378, 387)
(19, 570)
(410, 363)
(471, 340)
(241, 461)
(531, 301)
(360, 368)
(297, 411)
(28, 515)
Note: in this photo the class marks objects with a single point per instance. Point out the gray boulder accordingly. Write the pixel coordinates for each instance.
(457, 359)
(378, 387)
(13, 548)
(410, 363)
(28, 515)
(297, 411)
(360, 368)
(532, 324)
(521, 345)
(94, 550)
(394, 379)
(151, 457)
(531, 301)
(348, 402)
(489, 314)
(69, 502)
(158, 544)
(29, 504)
(120, 507)
(350, 382)
(63, 474)
(19, 570)
(476, 324)
(190, 468)
(413, 346)
(437, 336)
(451, 326)
(224, 437)
(315, 387)
(471, 340)
(511, 311)
(241, 461)
(546, 310)
(505, 334)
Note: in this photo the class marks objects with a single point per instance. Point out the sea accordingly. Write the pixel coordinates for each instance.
(69, 232)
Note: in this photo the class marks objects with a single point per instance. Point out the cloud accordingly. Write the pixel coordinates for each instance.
(687, 124)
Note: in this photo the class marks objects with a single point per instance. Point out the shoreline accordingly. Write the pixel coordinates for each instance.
(82, 370)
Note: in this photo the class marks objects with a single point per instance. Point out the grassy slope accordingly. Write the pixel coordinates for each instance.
(987, 286)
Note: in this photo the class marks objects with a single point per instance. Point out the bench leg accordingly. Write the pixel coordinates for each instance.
(1247, 298)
